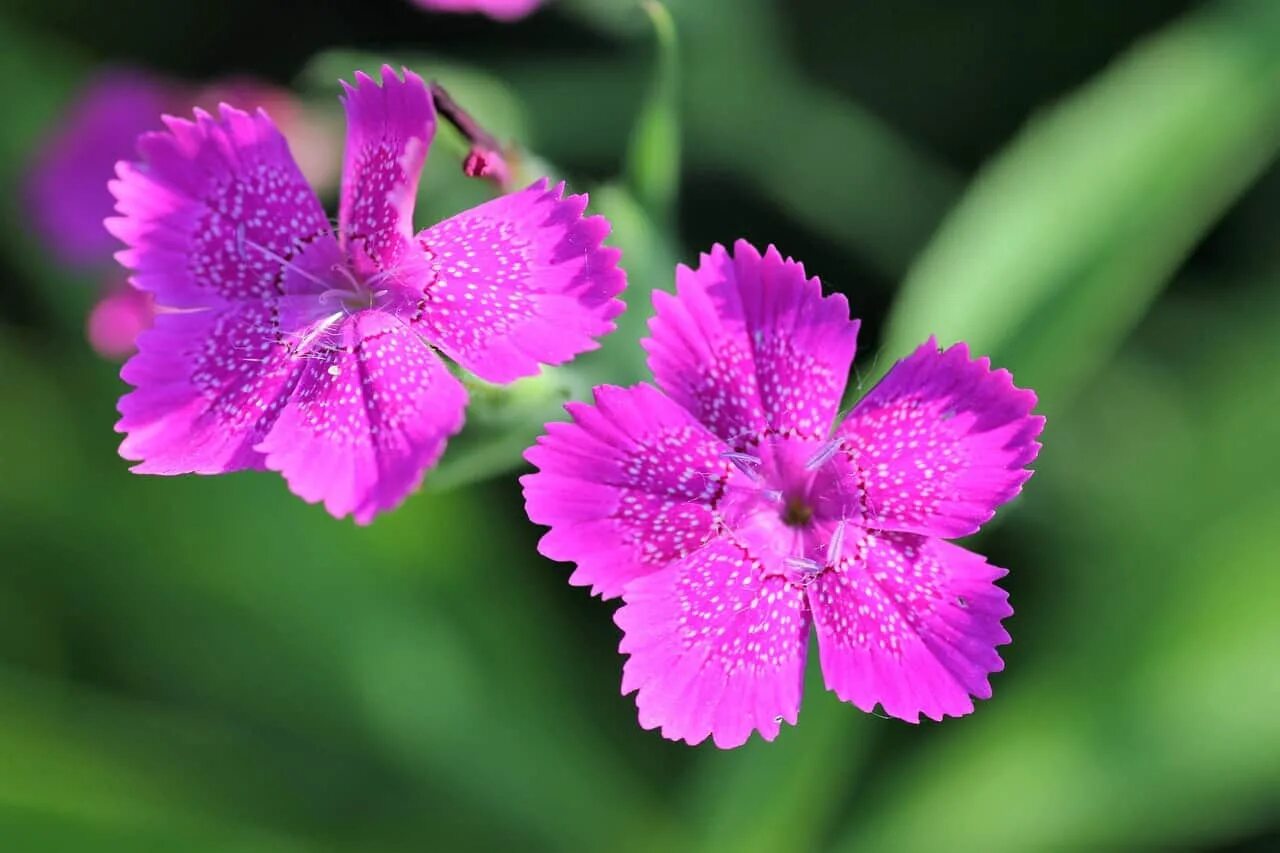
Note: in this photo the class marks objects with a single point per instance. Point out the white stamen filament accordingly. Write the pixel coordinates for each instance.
(836, 546)
(803, 565)
(824, 454)
(744, 462)
(318, 330)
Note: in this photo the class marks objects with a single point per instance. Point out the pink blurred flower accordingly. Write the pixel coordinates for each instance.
(502, 10)
(116, 320)
(66, 188)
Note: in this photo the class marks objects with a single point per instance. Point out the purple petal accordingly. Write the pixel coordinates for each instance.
(367, 419)
(67, 184)
(519, 281)
(215, 212)
(910, 623)
(714, 648)
(625, 487)
(748, 343)
(941, 442)
(209, 385)
(389, 129)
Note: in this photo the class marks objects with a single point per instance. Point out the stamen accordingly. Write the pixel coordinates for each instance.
(345, 271)
(242, 242)
(836, 546)
(744, 462)
(319, 329)
(803, 565)
(824, 454)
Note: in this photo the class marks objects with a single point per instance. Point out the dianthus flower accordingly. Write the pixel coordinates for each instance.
(735, 513)
(297, 349)
(66, 184)
(501, 10)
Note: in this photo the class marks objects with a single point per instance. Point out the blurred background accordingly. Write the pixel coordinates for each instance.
(1084, 190)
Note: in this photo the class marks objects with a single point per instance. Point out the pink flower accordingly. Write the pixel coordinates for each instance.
(309, 352)
(116, 320)
(734, 512)
(502, 10)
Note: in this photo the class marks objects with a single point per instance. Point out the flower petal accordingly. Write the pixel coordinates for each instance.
(215, 212)
(911, 623)
(941, 442)
(519, 281)
(714, 648)
(367, 419)
(748, 344)
(209, 384)
(389, 129)
(626, 487)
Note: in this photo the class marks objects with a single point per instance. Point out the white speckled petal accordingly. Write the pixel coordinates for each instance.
(748, 343)
(215, 212)
(626, 486)
(941, 442)
(209, 386)
(910, 623)
(369, 416)
(389, 129)
(518, 282)
(715, 649)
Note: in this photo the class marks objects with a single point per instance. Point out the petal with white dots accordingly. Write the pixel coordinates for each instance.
(216, 212)
(910, 623)
(941, 442)
(389, 129)
(370, 414)
(714, 649)
(748, 343)
(518, 282)
(209, 384)
(626, 486)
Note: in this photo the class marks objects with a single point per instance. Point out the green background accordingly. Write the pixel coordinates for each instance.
(1084, 190)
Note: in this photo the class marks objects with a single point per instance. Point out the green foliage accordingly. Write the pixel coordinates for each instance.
(210, 664)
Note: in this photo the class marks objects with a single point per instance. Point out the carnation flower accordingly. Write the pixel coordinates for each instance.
(300, 348)
(735, 512)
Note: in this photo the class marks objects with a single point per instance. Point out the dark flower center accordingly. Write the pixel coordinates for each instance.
(797, 513)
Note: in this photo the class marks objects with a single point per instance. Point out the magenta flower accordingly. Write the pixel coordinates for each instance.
(731, 516)
(309, 352)
(501, 10)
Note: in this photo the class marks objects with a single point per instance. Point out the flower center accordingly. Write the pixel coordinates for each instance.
(797, 512)
(793, 507)
(351, 291)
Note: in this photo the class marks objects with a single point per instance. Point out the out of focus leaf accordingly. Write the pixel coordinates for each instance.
(502, 421)
(653, 162)
(1067, 236)
(748, 111)
(782, 795)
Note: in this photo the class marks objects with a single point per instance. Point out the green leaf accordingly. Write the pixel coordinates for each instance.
(1067, 236)
(653, 162)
